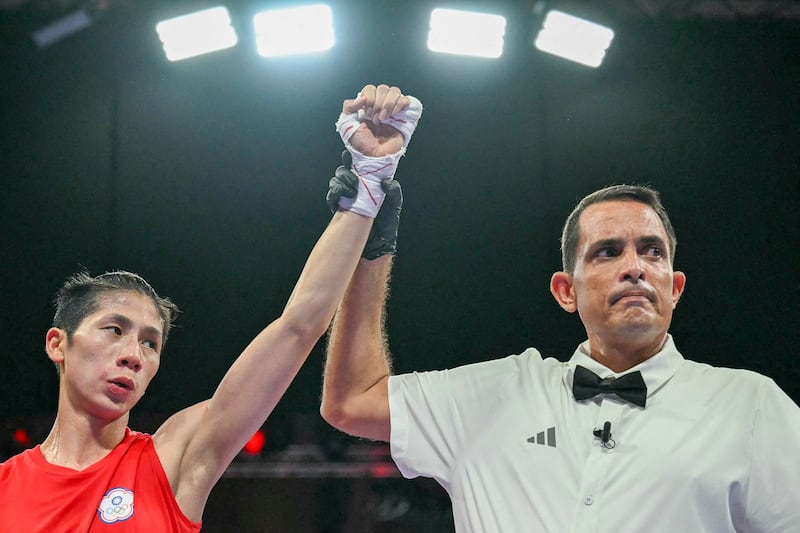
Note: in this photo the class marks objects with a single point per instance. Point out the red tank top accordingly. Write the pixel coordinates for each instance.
(126, 491)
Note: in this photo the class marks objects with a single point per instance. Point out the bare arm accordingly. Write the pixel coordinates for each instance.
(355, 393)
(197, 444)
(355, 389)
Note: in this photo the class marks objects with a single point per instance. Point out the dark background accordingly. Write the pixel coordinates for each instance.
(208, 177)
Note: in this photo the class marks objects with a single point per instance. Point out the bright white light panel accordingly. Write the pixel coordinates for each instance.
(574, 38)
(309, 29)
(197, 33)
(466, 33)
(292, 31)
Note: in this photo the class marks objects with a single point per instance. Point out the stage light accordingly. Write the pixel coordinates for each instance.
(466, 33)
(255, 445)
(197, 33)
(574, 38)
(292, 31)
(22, 438)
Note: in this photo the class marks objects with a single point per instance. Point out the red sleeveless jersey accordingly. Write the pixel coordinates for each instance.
(127, 491)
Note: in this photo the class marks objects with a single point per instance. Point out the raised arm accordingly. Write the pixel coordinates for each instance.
(197, 444)
(355, 389)
(355, 394)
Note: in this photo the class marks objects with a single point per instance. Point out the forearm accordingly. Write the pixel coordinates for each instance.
(326, 274)
(284, 345)
(354, 394)
(261, 374)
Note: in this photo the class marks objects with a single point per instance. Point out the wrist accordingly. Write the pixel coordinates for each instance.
(370, 195)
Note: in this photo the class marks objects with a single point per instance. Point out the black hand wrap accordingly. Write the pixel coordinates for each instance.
(382, 238)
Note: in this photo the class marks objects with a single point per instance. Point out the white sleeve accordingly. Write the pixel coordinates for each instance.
(436, 415)
(773, 499)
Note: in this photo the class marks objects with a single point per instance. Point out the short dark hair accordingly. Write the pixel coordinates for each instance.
(81, 295)
(570, 235)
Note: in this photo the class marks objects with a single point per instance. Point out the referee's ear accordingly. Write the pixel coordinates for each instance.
(562, 289)
(678, 284)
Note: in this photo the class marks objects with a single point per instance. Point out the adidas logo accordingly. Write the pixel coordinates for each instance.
(539, 438)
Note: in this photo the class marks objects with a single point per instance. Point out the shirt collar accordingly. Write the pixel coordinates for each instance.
(656, 370)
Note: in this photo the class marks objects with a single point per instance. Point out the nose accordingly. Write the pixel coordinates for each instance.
(632, 267)
(130, 356)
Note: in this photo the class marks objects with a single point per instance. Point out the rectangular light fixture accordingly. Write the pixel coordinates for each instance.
(296, 30)
(466, 33)
(197, 33)
(574, 38)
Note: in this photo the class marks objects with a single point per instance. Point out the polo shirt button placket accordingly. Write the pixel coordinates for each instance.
(595, 472)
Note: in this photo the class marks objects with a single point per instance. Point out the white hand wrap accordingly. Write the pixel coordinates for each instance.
(372, 170)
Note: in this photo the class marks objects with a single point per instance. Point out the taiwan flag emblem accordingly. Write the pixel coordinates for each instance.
(116, 505)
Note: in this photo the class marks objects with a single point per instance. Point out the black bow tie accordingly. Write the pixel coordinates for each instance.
(630, 387)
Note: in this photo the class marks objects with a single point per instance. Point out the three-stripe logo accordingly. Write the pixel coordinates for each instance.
(547, 437)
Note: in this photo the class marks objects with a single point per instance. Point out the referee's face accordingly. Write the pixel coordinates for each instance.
(623, 285)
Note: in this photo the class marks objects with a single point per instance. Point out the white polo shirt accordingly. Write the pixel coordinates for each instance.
(715, 450)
